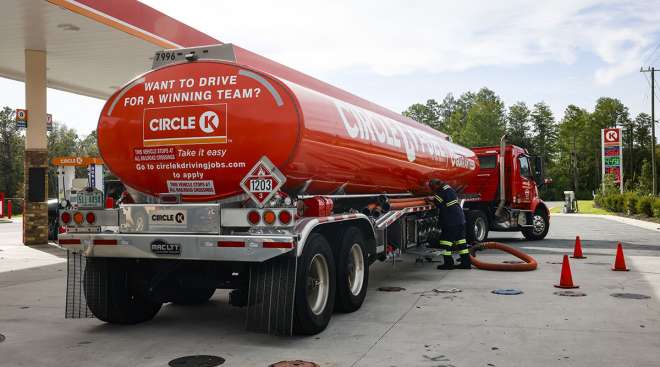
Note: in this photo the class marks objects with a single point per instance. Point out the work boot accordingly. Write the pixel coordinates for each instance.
(448, 263)
(465, 262)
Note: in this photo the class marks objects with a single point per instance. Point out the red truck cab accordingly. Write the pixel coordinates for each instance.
(504, 195)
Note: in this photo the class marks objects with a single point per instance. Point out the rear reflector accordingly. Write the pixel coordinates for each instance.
(231, 244)
(277, 245)
(104, 242)
(69, 241)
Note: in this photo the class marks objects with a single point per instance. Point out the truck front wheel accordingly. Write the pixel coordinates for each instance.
(476, 226)
(540, 227)
(315, 287)
(116, 293)
(352, 271)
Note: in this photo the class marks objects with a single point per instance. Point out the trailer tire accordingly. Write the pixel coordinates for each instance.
(315, 287)
(476, 226)
(187, 296)
(541, 226)
(116, 294)
(352, 271)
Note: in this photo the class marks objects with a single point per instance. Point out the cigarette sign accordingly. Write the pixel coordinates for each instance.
(612, 155)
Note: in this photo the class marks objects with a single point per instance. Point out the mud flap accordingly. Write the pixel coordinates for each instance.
(271, 294)
(76, 303)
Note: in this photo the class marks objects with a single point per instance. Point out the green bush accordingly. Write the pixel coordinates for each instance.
(598, 200)
(614, 202)
(645, 206)
(630, 202)
(617, 203)
(656, 208)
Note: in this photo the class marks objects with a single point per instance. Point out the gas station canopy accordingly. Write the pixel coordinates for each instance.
(93, 46)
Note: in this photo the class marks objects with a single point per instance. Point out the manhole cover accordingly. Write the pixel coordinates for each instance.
(630, 295)
(570, 293)
(507, 291)
(391, 289)
(2, 338)
(597, 263)
(554, 262)
(513, 262)
(294, 364)
(197, 361)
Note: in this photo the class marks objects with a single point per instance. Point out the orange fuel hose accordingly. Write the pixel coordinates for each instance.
(530, 262)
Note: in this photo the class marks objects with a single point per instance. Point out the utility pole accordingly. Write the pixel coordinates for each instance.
(655, 179)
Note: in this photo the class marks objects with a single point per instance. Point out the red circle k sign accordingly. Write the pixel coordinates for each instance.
(612, 135)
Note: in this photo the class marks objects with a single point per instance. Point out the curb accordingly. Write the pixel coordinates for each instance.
(633, 222)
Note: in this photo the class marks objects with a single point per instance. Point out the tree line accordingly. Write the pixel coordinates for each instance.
(62, 141)
(570, 147)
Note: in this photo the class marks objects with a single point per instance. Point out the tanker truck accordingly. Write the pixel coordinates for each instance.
(249, 176)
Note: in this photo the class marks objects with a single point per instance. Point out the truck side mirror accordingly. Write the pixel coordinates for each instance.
(538, 172)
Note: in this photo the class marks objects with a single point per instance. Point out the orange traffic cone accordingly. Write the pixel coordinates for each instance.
(577, 251)
(566, 280)
(619, 261)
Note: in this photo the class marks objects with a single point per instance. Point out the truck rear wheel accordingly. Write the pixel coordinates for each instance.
(315, 287)
(540, 227)
(352, 271)
(116, 294)
(192, 296)
(476, 226)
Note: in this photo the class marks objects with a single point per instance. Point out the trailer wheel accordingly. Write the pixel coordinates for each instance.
(476, 226)
(192, 296)
(116, 294)
(352, 271)
(315, 287)
(540, 228)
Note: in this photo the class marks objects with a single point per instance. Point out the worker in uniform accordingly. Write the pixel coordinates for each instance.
(452, 222)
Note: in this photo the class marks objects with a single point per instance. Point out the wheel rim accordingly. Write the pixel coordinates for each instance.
(355, 269)
(318, 285)
(479, 229)
(539, 224)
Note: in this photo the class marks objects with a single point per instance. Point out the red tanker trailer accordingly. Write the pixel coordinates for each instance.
(250, 176)
(197, 128)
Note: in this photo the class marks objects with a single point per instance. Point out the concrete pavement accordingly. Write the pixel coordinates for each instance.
(416, 327)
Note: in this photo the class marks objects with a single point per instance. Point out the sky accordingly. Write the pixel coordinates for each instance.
(396, 53)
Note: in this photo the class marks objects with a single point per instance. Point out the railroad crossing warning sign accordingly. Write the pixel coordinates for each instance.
(263, 181)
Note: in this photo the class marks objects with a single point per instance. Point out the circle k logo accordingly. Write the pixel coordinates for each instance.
(209, 121)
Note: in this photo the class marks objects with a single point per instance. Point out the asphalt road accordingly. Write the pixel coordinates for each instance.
(415, 327)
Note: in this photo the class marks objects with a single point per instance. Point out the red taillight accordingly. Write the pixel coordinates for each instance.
(231, 244)
(70, 241)
(99, 241)
(91, 218)
(285, 217)
(66, 217)
(254, 217)
(269, 217)
(277, 245)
